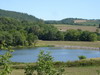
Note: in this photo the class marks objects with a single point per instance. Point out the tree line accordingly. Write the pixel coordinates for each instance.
(15, 32)
(24, 16)
(71, 21)
(18, 15)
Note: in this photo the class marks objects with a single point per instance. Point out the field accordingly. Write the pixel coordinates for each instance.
(82, 71)
(69, 43)
(63, 27)
(69, 71)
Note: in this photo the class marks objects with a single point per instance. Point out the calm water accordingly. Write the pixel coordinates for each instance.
(59, 54)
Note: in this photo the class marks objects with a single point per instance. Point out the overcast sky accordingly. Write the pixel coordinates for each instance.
(55, 9)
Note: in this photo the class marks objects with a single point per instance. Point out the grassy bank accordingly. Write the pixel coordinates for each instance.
(81, 70)
(69, 71)
(66, 44)
(72, 70)
(69, 43)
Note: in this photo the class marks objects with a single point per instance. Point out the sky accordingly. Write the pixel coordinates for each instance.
(55, 9)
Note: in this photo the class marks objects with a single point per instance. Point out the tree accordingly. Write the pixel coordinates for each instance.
(8, 38)
(5, 61)
(98, 38)
(44, 66)
(59, 35)
(84, 36)
(97, 30)
(50, 35)
(72, 35)
(35, 29)
(99, 25)
(18, 38)
(92, 37)
(32, 39)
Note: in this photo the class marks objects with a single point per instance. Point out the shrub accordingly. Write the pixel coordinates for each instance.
(85, 62)
(82, 57)
(5, 62)
(44, 66)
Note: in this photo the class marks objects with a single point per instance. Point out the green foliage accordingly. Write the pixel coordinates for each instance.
(29, 70)
(78, 35)
(92, 37)
(32, 39)
(59, 35)
(71, 21)
(97, 30)
(25, 33)
(84, 36)
(18, 15)
(98, 38)
(82, 57)
(44, 66)
(85, 62)
(5, 61)
(72, 35)
(99, 25)
(63, 21)
(88, 36)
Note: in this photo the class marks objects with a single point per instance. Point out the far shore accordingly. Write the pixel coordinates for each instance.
(71, 44)
(65, 44)
(78, 47)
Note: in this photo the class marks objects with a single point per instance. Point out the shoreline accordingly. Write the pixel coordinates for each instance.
(72, 44)
(77, 47)
(64, 44)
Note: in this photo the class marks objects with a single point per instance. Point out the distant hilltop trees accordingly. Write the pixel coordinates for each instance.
(75, 21)
(70, 21)
(18, 15)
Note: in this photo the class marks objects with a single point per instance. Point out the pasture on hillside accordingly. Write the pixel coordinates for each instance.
(63, 27)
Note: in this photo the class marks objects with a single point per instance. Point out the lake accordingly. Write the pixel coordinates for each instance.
(59, 54)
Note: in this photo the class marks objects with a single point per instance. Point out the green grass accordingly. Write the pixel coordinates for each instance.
(63, 27)
(71, 43)
(69, 71)
(18, 72)
(85, 70)
(81, 70)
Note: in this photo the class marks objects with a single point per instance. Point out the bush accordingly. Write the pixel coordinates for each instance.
(98, 38)
(82, 57)
(85, 62)
(44, 66)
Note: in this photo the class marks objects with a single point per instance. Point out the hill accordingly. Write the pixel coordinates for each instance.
(75, 21)
(27, 17)
(18, 15)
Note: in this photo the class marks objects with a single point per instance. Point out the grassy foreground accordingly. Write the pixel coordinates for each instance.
(69, 71)
(67, 43)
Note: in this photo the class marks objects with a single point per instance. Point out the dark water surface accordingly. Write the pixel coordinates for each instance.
(59, 54)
